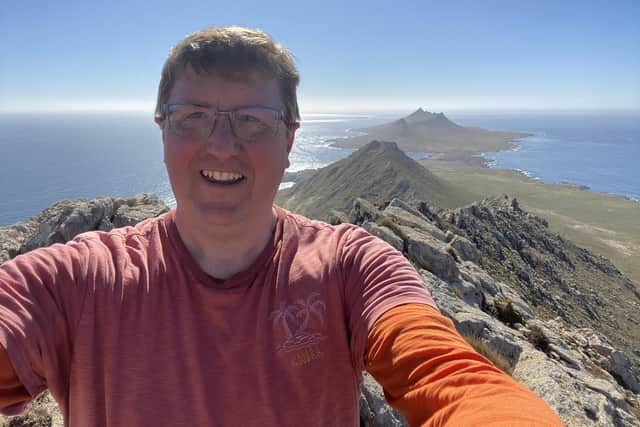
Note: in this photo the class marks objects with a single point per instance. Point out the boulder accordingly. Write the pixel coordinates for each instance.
(412, 218)
(385, 234)
(362, 211)
(374, 410)
(429, 253)
(130, 211)
(466, 250)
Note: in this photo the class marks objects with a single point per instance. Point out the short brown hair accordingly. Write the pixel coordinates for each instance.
(233, 51)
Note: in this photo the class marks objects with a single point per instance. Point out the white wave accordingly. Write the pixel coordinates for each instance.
(323, 120)
(284, 185)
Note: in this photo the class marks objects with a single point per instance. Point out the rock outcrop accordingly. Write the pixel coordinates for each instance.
(576, 371)
(558, 278)
(512, 306)
(63, 220)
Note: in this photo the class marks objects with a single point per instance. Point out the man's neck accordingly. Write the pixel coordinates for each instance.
(220, 252)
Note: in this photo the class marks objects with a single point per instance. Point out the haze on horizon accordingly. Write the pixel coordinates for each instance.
(459, 56)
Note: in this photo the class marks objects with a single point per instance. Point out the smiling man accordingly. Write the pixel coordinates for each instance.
(230, 310)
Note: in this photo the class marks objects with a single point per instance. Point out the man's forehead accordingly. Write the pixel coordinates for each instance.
(231, 75)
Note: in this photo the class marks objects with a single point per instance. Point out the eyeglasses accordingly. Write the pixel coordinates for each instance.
(247, 123)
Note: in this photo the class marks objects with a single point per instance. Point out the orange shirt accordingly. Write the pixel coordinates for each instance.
(431, 375)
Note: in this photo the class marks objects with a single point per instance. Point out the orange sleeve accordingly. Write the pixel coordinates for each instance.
(431, 375)
(11, 389)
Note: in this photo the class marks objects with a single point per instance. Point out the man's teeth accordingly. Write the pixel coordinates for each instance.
(221, 176)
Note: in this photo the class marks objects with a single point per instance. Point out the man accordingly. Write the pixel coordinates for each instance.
(229, 310)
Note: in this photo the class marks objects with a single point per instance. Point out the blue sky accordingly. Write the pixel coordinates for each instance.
(443, 56)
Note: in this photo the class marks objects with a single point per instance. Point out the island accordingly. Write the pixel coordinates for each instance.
(423, 131)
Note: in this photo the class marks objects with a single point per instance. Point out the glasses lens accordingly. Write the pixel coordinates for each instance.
(255, 122)
(190, 120)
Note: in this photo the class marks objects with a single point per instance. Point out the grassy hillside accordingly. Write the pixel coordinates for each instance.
(377, 172)
(604, 224)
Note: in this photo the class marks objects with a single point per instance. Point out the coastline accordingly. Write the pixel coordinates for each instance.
(465, 160)
(605, 223)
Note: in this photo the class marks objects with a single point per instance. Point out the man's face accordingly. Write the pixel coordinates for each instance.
(223, 180)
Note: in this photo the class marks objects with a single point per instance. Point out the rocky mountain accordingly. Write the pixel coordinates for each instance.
(519, 294)
(377, 172)
(423, 131)
(575, 369)
(63, 220)
(556, 277)
(564, 319)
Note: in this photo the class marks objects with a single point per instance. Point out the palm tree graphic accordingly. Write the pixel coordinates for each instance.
(313, 306)
(285, 313)
(296, 318)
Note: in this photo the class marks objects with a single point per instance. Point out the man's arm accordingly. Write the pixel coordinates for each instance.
(11, 389)
(430, 373)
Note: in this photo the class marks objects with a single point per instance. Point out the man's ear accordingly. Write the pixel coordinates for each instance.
(160, 122)
(291, 135)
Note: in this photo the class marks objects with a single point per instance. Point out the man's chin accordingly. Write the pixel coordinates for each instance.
(217, 214)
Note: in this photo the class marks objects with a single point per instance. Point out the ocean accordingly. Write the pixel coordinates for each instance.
(46, 157)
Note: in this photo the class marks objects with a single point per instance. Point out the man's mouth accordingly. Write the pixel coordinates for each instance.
(219, 177)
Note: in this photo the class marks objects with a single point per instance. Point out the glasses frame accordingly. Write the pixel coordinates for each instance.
(280, 116)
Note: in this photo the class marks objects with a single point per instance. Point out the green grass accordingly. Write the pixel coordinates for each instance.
(604, 224)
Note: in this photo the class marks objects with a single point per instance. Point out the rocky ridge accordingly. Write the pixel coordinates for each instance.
(63, 220)
(575, 369)
(377, 172)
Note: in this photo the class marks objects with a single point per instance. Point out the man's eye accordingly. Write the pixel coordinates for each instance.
(247, 118)
(196, 115)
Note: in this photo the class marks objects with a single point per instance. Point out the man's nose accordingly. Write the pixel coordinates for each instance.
(222, 142)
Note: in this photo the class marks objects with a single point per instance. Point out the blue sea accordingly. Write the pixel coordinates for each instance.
(45, 157)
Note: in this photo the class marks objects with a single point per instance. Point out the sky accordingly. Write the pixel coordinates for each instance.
(360, 55)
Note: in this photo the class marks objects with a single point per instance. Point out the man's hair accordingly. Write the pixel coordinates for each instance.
(235, 53)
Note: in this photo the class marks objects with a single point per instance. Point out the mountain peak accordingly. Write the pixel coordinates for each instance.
(419, 113)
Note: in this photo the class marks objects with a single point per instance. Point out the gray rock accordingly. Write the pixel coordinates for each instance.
(429, 253)
(385, 234)
(599, 350)
(64, 220)
(14, 237)
(577, 396)
(362, 211)
(468, 292)
(374, 411)
(129, 212)
(413, 219)
(466, 250)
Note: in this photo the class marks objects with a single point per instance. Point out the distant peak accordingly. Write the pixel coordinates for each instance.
(420, 115)
(378, 144)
